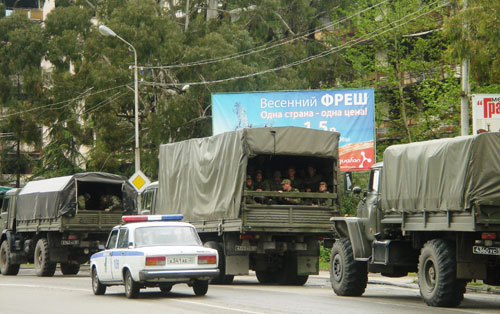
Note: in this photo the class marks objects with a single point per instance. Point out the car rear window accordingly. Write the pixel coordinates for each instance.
(166, 236)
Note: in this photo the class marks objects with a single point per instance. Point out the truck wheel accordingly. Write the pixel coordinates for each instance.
(200, 287)
(264, 276)
(300, 280)
(43, 266)
(222, 278)
(6, 266)
(70, 268)
(165, 287)
(437, 279)
(97, 287)
(131, 287)
(348, 277)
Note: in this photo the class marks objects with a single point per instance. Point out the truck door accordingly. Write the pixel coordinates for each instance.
(120, 254)
(371, 206)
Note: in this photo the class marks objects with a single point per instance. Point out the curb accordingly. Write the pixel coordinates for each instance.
(476, 289)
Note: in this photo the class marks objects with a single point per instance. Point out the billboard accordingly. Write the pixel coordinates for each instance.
(350, 112)
(485, 113)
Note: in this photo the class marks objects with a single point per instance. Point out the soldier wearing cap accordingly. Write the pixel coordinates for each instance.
(286, 186)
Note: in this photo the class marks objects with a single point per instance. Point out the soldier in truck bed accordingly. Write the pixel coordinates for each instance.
(287, 187)
(259, 183)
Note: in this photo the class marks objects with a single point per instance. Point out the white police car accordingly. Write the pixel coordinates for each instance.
(153, 251)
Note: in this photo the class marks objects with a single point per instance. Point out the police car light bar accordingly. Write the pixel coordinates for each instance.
(143, 218)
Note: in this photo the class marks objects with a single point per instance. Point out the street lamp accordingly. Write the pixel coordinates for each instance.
(106, 31)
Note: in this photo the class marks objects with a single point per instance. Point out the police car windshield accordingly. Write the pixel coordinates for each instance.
(166, 236)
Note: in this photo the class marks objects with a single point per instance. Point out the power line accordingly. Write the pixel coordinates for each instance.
(61, 102)
(262, 47)
(348, 44)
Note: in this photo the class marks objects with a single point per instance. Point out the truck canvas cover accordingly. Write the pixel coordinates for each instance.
(55, 197)
(445, 174)
(203, 178)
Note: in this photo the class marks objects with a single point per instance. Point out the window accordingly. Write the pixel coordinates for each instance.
(374, 180)
(123, 238)
(112, 240)
(5, 205)
(166, 236)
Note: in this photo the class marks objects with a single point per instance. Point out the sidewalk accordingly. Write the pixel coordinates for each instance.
(411, 282)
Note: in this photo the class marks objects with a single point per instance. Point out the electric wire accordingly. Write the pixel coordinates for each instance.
(262, 47)
(348, 44)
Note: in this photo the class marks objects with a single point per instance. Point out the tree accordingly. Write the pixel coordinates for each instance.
(21, 90)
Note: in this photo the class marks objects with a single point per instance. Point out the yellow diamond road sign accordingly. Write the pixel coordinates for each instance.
(139, 181)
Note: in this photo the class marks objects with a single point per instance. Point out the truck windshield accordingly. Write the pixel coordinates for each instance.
(166, 236)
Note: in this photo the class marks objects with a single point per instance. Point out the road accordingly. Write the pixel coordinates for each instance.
(29, 294)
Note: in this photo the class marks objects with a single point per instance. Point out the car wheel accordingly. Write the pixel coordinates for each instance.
(6, 266)
(43, 266)
(97, 287)
(200, 287)
(348, 276)
(70, 268)
(437, 270)
(166, 288)
(131, 287)
(222, 278)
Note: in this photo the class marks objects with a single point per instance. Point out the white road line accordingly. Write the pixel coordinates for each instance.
(42, 286)
(216, 306)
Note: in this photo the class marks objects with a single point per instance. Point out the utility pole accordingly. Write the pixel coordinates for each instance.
(464, 93)
(186, 24)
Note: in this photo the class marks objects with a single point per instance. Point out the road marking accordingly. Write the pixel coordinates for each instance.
(217, 306)
(41, 286)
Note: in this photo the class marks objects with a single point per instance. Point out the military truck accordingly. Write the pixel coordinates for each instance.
(204, 178)
(431, 207)
(60, 220)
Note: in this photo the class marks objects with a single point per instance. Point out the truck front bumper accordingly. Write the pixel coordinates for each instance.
(178, 275)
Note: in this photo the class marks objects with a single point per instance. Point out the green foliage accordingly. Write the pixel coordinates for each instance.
(86, 101)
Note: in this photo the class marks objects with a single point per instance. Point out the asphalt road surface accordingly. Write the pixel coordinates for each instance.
(29, 294)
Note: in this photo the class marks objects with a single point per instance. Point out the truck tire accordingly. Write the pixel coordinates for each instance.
(348, 277)
(97, 287)
(222, 278)
(165, 287)
(200, 287)
(6, 266)
(132, 288)
(265, 276)
(43, 266)
(70, 268)
(437, 269)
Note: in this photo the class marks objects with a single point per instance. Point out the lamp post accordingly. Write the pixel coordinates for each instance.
(106, 31)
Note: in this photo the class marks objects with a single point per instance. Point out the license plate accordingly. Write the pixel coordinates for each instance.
(180, 260)
(70, 242)
(486, 250)
(245, 248)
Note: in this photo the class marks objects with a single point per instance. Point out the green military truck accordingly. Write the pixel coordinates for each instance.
(203, 179)
(61, 220)
(431, 207)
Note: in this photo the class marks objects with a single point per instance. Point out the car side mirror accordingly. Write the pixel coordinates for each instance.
(356, 190)
(131, 245)
(101, 247)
